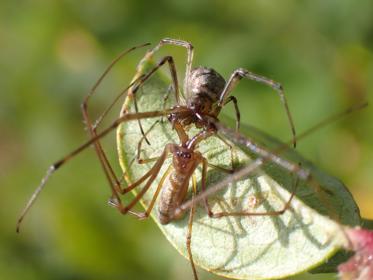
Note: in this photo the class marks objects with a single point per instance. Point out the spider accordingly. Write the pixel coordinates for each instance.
(205, 94)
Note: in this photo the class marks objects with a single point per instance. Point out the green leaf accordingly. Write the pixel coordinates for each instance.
(254, 247)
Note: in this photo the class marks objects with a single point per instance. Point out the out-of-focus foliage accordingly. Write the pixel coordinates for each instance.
(51, 53)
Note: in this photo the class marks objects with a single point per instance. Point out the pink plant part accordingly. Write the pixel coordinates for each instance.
(360, 265)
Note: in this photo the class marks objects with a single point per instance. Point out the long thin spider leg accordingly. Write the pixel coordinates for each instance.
(117, 183)
(154, 198)
(232, 178)
(49, 172)
(144, 215)
(190, 227)
(151, 173)
(190, 52)
(205, 163)
(238, 115)
(264, 156)
(139, 144)
(230, 148)
(203, 186)
(101, 78)
(154, 172)
(138, 121)
(200, 136)
(115, 100)
(243, 73)
(111, 65)
(222, 169)
(165, 98)
(113, 201)
(130, 166)
(170, 89)
(114, 182)
(302, 173)
(144, 78)
(192, 143)
(65, 159)
(108, 170)
(242, 140)
(139, 181)
(143, 161)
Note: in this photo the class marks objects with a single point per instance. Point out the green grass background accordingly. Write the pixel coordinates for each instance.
(51, 53)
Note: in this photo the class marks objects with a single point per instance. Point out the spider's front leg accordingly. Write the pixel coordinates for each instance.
(240, 73)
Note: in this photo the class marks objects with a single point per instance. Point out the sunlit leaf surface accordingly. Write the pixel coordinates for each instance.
(255, 247)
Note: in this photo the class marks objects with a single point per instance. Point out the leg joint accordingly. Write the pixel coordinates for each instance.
(177, 43)
(168, 58)
(84, 105)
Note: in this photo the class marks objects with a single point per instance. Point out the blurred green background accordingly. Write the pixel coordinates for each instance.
(51, 53)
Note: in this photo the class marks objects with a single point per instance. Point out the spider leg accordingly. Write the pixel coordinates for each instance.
(139, 145)
(264, 156)
(152, 202)
(243, 73)
(102, 77)
(150, 176)
(238, 115)
(137, 156)
(231, 149)
(190, 51)
(190, 227)
(58, 164)
(114, 183)
(144, 77)
(269, 155)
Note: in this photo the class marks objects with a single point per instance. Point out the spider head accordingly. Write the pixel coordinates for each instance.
(184, 159)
